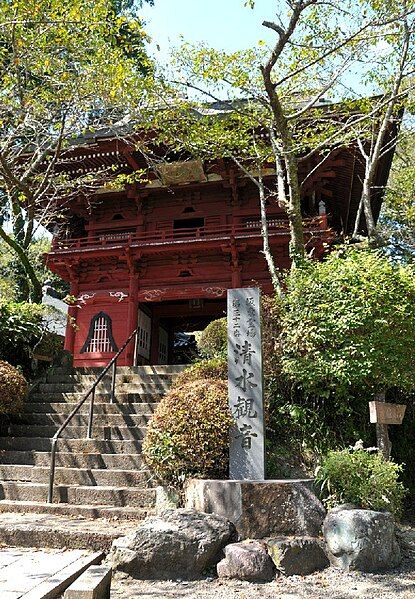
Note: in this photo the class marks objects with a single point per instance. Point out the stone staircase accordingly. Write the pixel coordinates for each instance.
(102, 477)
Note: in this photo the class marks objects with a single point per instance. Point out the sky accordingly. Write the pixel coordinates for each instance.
(223, 24)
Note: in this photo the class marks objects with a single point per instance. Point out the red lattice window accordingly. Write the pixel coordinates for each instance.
(100, 338)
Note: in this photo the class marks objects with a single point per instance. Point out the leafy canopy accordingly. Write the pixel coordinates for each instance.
(350, 322)
(67, 67)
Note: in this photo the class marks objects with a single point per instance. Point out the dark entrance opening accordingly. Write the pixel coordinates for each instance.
(188, 223)
(182, 320)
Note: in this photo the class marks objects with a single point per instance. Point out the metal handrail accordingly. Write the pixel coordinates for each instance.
(112, 363)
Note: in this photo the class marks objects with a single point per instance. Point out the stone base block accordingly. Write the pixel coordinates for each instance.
(260, 509)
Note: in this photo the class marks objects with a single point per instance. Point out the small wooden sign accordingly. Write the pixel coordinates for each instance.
(386, 413)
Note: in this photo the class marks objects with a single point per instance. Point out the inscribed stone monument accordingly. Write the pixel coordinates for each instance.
(246, 457)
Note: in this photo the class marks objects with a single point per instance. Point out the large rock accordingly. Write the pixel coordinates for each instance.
(297, 555)
(177, 543)
(248, 560)
(260, 509)
(362, 540)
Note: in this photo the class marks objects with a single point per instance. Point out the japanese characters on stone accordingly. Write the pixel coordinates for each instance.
(245, 385)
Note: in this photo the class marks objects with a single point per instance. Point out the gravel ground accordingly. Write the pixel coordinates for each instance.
(327, 584)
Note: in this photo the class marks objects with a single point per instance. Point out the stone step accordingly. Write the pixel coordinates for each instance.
(39, 573)
(106, 433)
(71, 445)
(124, 402)
(94, 583)
(75, 511)
(123, 461)
(54, 531)
(122, 388)
(76, 476)
(100, 407)
(101, 495)
(50, 419)
(89, 379)
(139, 370)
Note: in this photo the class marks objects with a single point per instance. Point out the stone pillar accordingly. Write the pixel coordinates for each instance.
(247, 438)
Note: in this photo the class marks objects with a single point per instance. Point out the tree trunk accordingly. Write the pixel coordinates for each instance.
(265, 242)
(297, 248)
(284, 136)
(36, 291)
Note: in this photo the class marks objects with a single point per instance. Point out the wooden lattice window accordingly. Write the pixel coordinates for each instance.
(100, 338)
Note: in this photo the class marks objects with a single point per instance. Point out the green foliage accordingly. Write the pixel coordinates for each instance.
(189, 432)
(348, 323)
(213, 342)
(23, 331)
(13, 389)
(68, 67)
(361, 478)
(20, 329)
(10, 270)
(214, 368)
(398, 211)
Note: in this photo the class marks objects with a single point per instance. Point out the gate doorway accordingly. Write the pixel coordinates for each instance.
(167, 330)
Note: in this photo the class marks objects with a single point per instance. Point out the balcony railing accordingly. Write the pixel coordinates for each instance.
(176, 236)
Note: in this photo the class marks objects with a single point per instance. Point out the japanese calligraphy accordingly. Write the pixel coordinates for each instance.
(251, 325)
(245, 352)
(244, 407)
(246, 434)
(244, 381)
(246, 454)
(236, 317)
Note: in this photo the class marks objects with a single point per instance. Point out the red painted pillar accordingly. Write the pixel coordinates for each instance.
(132, 318)
(71, 322)
(236, 276)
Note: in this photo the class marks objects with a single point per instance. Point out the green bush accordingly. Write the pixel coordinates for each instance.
(215, 368)
(189, 432)
(13, 389)
(24, 333)
(362, 478)
(213, 341)
(348, 323)
(20, 330)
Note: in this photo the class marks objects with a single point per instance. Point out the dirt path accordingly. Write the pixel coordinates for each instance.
(330, 583)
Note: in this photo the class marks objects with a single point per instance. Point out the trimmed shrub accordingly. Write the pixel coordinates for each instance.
(362, 478)
(213, 342)
(189, 432)
(13, 389)
(215, 368)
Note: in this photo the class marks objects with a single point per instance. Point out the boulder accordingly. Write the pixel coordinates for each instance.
(177, 543)
(248, 560)
(297, 555)
(363, 540)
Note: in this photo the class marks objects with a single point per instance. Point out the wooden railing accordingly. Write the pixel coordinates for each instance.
(176, 236)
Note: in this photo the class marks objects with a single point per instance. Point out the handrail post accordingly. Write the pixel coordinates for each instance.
(91, 415)
(52, 470)
(114, 372)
